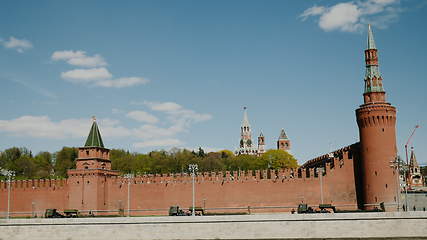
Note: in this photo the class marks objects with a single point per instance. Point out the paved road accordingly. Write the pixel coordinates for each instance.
(411, 225)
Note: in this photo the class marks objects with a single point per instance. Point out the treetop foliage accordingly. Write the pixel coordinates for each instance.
(55, 165)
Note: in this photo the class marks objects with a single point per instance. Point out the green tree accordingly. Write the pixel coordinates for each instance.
(26, 167)
(19, 160)
(226, 153)
(44, 164)
(277, 159)
(121, 160)
(244, 162)
(201, 152)
(8, 158)
(65, 159)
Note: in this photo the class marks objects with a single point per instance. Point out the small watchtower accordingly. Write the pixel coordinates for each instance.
(93, 155)
(88, 183)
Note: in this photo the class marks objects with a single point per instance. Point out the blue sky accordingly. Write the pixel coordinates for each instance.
(163, 74)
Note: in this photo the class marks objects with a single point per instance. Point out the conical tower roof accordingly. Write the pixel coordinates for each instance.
(94, 139)
(413, 162)
(245, 122)
(282, 135)
(371, 41)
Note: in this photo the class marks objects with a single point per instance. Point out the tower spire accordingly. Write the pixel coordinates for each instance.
(245, 122)
(94, 139)
(371, 41)
(374, 91)
(413, 162)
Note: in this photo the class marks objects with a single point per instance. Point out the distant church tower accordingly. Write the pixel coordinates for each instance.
(415, 176)
(261, 144)
(246, 144)
(376, 119)
(283, 143)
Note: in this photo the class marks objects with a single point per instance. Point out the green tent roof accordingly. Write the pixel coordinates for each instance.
(94, 139)
(282, 135)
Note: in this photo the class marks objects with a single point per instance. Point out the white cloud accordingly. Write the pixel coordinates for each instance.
(179, 118)
(176, 120)
(149, 131)
(158, 143)
(351, 16)
(177, 112)
(96, 75)
(313, 11)
(142, 116)
(43, 127)
(343, 16)
(94, 61)
(122, 82)
(163, 107)
(79, 58)
(66, 55)
(19, 45)
(86, 75)
(101, 77)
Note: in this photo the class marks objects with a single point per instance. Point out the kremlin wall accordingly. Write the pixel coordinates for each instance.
(358, 176)
(95, 190)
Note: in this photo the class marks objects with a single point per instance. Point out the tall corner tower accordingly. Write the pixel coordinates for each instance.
(283, 143)
(376, 119)
(88, 182)
(261, 144)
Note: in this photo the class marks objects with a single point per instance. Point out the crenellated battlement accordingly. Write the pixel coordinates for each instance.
(335, 158)
(34, 184)
(376, 116)
(376, 107)
(305, 172)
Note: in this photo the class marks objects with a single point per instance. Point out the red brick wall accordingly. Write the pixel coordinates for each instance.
(34, 196)
(214, 190)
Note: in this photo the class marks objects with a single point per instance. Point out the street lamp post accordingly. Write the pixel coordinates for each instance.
(396, 165)
(320, 172)
(406, 178)
(193, 169)
(128, 177)
(10, 174)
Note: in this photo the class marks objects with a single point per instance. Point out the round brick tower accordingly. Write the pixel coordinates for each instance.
(376, 119)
